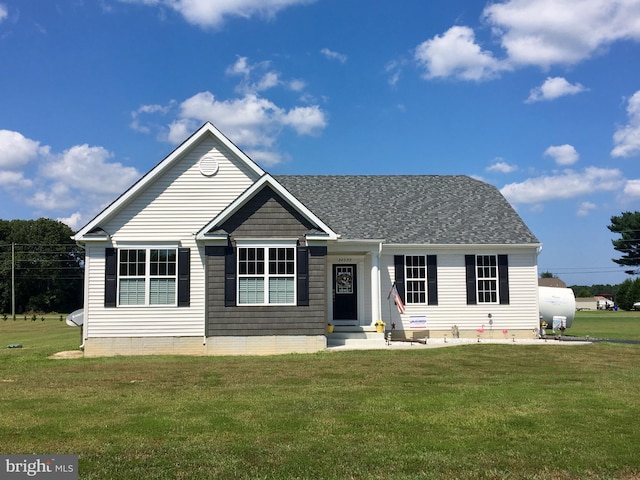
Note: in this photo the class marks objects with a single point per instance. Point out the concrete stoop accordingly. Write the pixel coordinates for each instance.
(355, 338)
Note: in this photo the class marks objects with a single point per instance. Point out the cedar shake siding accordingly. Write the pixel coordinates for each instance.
(266, 216)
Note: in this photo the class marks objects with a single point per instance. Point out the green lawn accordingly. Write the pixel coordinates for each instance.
(477, 411)
(606, 324)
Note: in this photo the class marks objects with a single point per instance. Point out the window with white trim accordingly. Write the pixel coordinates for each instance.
(487, 278)
(415, 278)
(147, 276)
(266, 275)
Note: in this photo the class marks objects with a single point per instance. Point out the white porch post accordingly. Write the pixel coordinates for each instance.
(375, 286)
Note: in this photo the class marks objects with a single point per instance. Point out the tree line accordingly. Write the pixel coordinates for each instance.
(41, 267)
(624, 294)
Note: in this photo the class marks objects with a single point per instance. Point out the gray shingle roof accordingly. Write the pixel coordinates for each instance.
(410, 209)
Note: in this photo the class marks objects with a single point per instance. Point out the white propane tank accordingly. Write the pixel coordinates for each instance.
(556, 302)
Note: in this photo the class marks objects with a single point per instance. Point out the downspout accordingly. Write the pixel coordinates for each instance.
(84, 296)
(378, 284)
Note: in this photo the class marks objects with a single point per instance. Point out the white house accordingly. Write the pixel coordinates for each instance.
(209, 254)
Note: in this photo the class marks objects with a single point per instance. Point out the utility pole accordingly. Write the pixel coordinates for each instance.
(13, 280)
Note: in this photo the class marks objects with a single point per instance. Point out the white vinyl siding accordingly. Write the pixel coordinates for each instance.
(520, 314)
(169, 210)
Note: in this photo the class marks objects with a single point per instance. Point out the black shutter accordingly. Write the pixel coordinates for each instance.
(432, 280)
(470, 266)
(110, 277)
(184, 269)
(398, 264)
(303, 276)
(503, 278)
(230, 277)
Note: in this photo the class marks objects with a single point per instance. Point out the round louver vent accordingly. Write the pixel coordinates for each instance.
(208, 164)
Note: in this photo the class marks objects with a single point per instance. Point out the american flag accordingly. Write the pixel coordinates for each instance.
(397, 299)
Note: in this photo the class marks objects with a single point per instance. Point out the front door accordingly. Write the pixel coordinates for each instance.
(345, 294)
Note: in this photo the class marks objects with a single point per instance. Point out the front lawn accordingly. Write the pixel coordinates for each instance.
(476, 411)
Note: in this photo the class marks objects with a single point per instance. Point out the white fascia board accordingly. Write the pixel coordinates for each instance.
(156, 171)
(266, 179)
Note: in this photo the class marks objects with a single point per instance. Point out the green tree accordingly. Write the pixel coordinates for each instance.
(48, 266)
(628, 293)
(581, 291)
(628, 226)
(547, 275)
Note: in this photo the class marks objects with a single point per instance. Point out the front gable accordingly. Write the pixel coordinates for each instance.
(199, 178)
(266, 210)
(267, 215)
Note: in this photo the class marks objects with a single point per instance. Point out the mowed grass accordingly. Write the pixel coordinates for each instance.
(620, 325)
(477, 411)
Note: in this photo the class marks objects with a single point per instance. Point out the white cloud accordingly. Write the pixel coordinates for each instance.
(585, 208)
(180, 129)
(258, 77)
(531, 32)
(82, 178)
(250, 120)
(75, 221)
(500, 166)
(297, 85)
(145, 110)
(213, 13)
(548, 32)
(632, 189)
(16, 150)
(569, 184)
(552, 88)
(562, 154)
(76, 168)
(455, 53)
(265, 157)
(14, 180)
(394, 69)
(331, 55)
(69, 181)
(240, 67)
(627, 138)
(305, 120)
(4, 13)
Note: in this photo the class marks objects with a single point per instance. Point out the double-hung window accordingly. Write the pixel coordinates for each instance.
(147, 276)
(487, 278)
(415, 278)
(266, 275)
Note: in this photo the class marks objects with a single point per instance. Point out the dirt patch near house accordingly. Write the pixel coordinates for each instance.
(67, 354)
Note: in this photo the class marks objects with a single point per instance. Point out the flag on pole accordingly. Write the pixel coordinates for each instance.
(396, 298)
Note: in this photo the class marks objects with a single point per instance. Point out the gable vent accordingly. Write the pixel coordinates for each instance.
(208, 164)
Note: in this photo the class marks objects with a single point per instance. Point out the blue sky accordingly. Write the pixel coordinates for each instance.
(540, 98)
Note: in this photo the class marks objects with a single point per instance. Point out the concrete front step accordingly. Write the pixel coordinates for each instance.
(358, 338)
